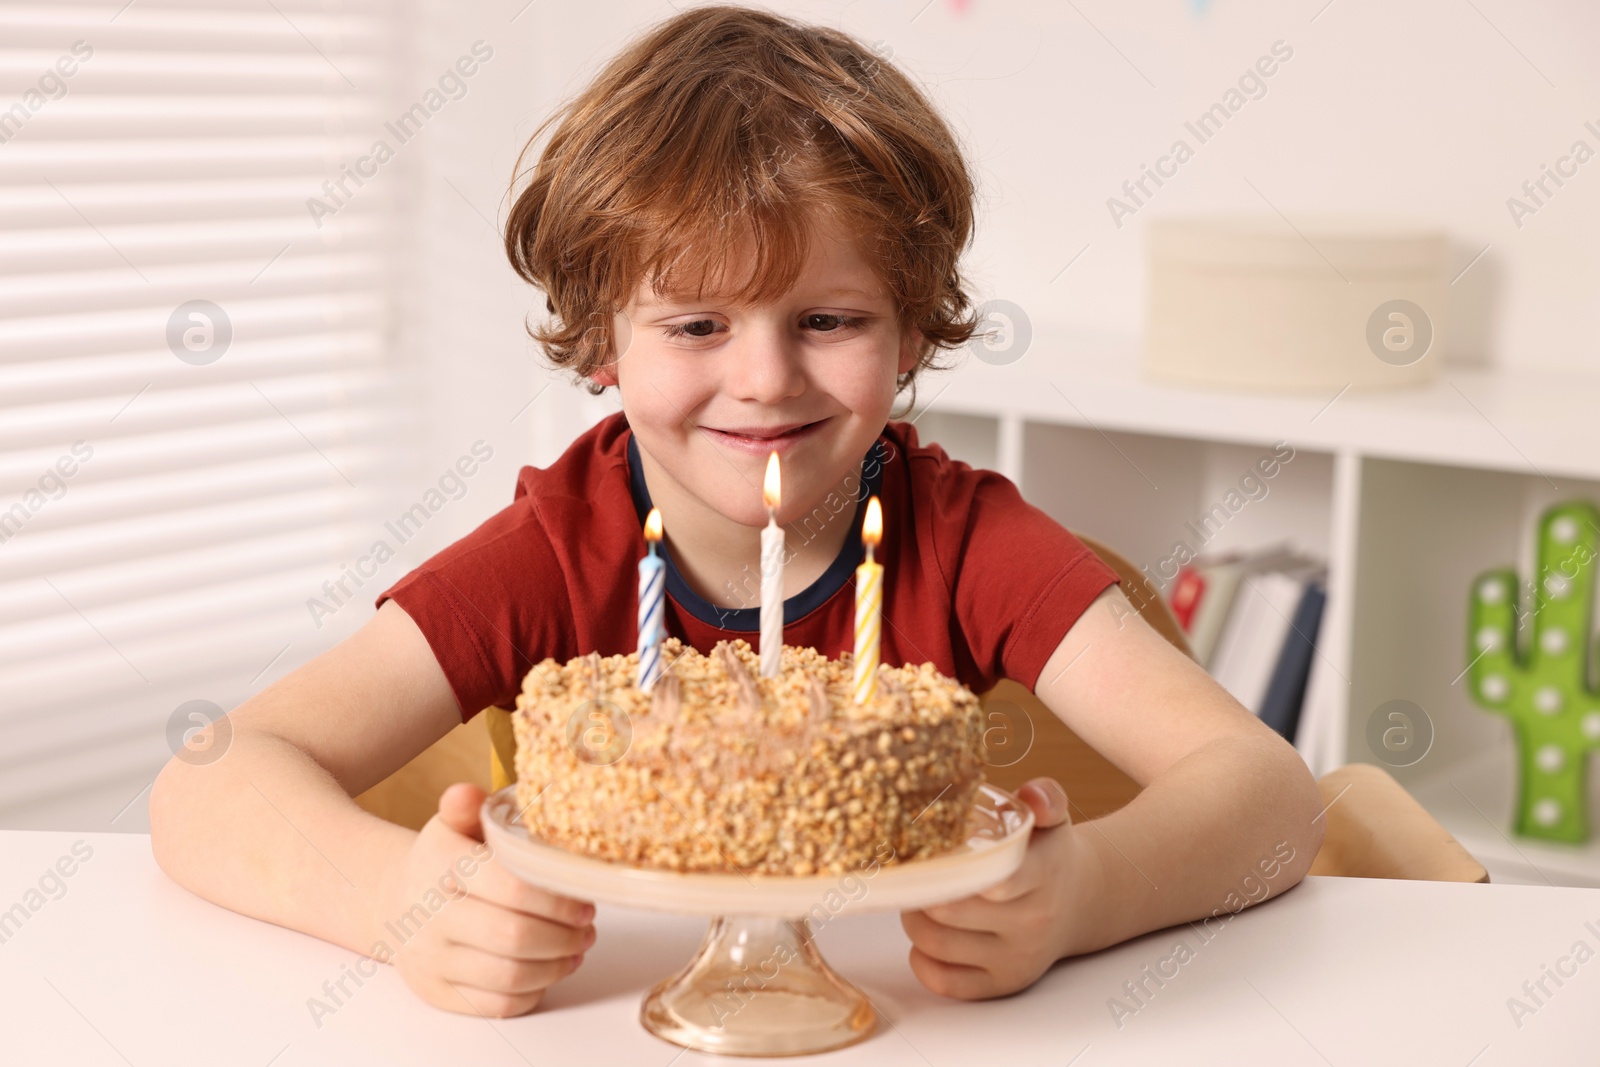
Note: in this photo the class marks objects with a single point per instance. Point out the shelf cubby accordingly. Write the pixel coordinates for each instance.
(1407, 494)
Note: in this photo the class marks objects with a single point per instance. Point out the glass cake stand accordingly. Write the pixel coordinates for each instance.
(758, 986)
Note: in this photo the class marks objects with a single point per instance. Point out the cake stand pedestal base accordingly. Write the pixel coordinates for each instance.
(758, 987)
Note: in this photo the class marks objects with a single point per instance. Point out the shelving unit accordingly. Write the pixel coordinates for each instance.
(1407, 494)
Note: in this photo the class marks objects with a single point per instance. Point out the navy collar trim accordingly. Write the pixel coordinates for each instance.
(796, 607)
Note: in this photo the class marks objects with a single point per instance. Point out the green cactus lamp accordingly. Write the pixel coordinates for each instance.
(1542, 688)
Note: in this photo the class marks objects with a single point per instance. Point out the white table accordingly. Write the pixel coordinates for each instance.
(126, 967)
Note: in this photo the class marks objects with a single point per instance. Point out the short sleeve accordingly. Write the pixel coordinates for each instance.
(1019, 579)
(488, 604)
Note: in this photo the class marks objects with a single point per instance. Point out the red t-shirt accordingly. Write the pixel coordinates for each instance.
(976, 581)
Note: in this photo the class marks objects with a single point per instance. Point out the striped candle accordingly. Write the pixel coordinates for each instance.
(652, 604)
(771, 574)
(869, 606)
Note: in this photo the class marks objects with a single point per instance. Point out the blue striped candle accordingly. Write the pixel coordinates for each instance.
(652, 604)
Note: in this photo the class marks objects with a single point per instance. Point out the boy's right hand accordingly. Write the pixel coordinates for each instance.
(493, 950)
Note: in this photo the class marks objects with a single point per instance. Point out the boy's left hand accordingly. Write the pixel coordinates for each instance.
(1004, 938)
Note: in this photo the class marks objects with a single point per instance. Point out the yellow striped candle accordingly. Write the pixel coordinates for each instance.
(869, 606)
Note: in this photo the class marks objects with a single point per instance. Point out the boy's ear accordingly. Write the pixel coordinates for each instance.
(606, 375)
(911, 346)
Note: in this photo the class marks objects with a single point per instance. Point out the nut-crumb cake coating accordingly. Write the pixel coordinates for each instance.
(719, 769)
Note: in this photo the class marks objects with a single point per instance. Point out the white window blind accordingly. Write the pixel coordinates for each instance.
(209, 496)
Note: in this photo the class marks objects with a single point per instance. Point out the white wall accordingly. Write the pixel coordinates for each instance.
(1423, 111)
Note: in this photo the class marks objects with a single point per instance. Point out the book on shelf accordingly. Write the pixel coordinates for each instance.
(1187, 589)
(1286, 692)
(1204, 592)
(1252, 622)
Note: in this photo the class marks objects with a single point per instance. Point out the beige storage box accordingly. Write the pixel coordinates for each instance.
(1246, 302)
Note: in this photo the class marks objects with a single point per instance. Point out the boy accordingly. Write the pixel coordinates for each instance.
(751, 228)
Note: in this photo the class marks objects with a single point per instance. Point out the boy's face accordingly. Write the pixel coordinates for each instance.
(710, 388)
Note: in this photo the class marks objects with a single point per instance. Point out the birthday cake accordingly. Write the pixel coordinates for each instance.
(719, 769)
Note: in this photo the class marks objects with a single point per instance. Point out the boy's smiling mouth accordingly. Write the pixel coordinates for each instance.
(759, 440)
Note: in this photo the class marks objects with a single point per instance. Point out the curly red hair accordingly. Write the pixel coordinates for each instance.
(725, 125)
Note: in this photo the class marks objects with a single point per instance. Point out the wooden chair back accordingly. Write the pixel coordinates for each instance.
(1378, 830)
(1049, 747)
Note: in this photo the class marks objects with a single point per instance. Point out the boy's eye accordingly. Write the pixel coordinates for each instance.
(692, 328)
(837, 322)
(821, 322)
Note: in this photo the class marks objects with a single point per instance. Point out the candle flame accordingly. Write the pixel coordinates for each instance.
(770, 487)
(652, 525)
(872, 525)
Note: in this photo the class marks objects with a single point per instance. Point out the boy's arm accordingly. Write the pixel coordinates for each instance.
(269, 828)
(1222, 791)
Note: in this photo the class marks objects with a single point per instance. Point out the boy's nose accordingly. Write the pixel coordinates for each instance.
(765, 369)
